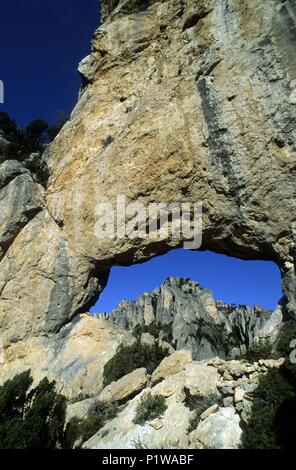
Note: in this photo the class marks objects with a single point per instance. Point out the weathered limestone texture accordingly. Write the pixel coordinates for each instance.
(182, 101)
(186, 315)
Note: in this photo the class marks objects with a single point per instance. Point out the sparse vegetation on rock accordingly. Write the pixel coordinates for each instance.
(134, 356)
(262, 349)
(199, 404)
(27, 144)
(273, 415)
(80, 430)
(149, 408)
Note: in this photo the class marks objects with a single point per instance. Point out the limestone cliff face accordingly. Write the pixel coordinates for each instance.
(182, 101)
(186, 315)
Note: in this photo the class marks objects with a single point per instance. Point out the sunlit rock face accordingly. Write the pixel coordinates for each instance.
(182, 101)
(186, 315)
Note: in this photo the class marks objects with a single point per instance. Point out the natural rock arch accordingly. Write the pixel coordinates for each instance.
(185, 101)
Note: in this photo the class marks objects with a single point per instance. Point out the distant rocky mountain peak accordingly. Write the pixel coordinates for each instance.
(186, 315)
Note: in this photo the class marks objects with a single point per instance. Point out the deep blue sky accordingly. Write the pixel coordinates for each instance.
(231, 280)
(41, 44)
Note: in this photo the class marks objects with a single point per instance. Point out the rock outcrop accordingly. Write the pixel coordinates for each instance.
(186, 315)
(181, 101)
(188, 100)
(74, 358)
(217, 427)
(129, 385)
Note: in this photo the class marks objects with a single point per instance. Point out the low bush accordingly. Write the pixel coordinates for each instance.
(78, 398)
(80, 430)
(262, 430)
(149, 407)
(199, 404)
(272, 423)
(163, 332)
(134, 356)
(31, 418)
(259, 350)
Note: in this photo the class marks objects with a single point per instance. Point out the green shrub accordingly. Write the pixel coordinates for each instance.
(272, 422)
(199, 404)
(260, 350)
(149, 408)
(35, 133)
(7, 124)
(32, 139)
(129, 358)
(72, 432)
(158, 331)
(78, 398)
(262, 430)
(287, 334)
(35, 418)
(83, 429)
(31, 418)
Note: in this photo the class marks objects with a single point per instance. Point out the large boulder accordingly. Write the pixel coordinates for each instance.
(171, 365)
(124, 388)
(122, 433)
(201, 379)
(221, 430)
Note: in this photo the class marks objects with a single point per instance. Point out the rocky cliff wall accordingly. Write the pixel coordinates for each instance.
(182, 101)
(186, 315)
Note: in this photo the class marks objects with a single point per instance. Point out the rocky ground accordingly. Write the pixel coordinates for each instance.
(183, 383)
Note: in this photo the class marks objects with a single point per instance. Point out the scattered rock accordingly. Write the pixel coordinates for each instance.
(220, 430)
(124, 388)
(238, 394)
(246, 411)
(228, 401)
(227, 376)
(209, 411)
(201, 379)
(156, 424)
(227, 391)
(239, 407)
(272, 363)
(171, 365)
(254, 377)
(79, 409)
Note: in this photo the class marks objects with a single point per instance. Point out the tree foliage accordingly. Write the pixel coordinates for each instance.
(80, 430)
(27, 144)
(134, 356)
(31, 418)
(149, 407)
(272, 422)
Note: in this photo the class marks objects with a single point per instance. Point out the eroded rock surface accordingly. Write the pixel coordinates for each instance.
(190, 100)
(74, 358)
(185, 314)
(218, 426)
(181, 101)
